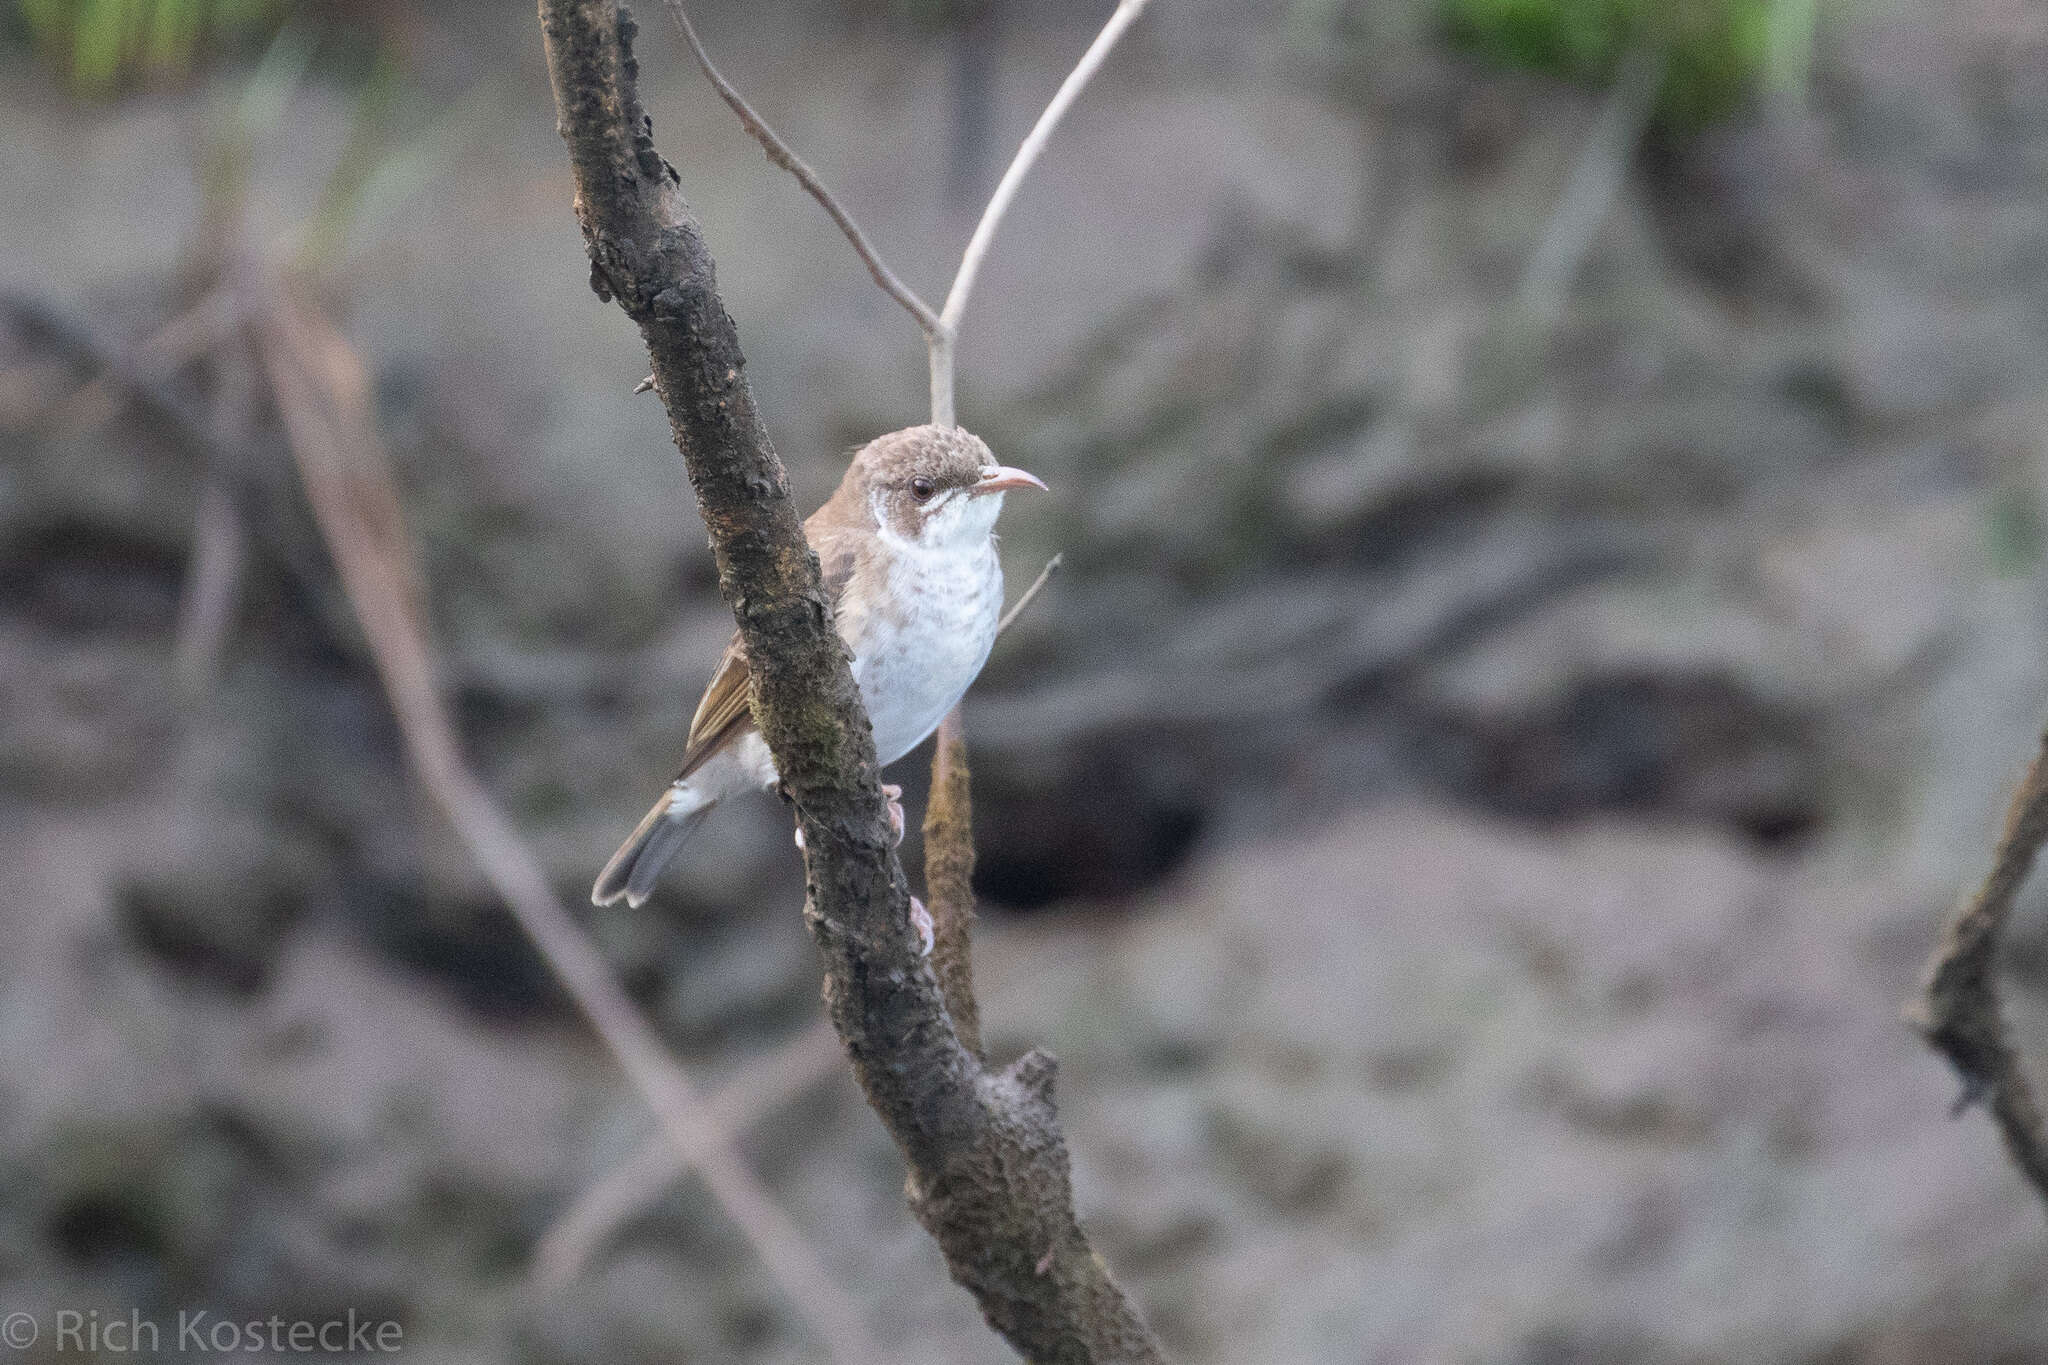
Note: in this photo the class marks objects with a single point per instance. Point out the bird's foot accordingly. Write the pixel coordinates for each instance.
(893, 794)
(921, 925)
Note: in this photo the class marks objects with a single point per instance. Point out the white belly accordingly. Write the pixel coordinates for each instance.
(914, 669)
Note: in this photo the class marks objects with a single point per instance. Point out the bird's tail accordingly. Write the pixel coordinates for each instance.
(661, 833)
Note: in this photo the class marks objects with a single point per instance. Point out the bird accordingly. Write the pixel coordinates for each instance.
(907, 547)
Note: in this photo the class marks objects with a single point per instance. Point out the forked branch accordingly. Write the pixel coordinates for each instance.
(940, 328)
(989, 1174)
(1957, 1010)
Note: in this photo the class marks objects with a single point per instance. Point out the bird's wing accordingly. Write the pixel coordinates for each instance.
(723, 715)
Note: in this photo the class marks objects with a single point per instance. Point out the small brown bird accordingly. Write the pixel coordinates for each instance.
(908, 548)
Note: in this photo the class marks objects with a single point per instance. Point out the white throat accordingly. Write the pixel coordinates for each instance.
(954, 522)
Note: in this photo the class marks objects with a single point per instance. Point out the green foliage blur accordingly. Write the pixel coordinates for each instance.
(103, 45)
(1717, 53)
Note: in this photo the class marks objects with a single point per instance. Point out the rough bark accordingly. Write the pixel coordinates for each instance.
(989, 1171)
(1958, 1011)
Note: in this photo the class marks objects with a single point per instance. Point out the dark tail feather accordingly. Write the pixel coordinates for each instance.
(632, 872)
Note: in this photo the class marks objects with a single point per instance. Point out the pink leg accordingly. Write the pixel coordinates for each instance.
(893, 794)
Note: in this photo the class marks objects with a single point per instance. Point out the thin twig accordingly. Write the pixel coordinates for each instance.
(220, 539)
(764, 1085)
(940, 338)
(1957, 1010)
(323, 398)
(207, 607)
(1037, 586)
(949, 852)
(949, 878)
(780, 153)
(202, 327)
(939, 328)
(1595, 179)
(227, 451)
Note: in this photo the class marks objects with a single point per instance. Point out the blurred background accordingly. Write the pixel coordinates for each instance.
(1552, 503)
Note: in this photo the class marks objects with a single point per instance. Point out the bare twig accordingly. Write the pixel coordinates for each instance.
(949, 853)
(628, 1188)
(323, 397)
(940, 339)
(1595, 178)
(1030, 594)
(640, 1179)
(1957, 1010)
(226, 451)
(989, 1173)
(202, 327)
(220, 540)
(779, 152)
(942, 327)
(207, 607)
(949, 878)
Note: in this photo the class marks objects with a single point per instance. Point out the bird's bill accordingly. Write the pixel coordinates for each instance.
(1000, 478)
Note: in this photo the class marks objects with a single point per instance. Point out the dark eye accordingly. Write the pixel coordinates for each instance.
(922, 488)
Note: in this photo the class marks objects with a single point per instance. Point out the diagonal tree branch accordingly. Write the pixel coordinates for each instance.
(1957, 1010)
(322, 395)
(779, 152)
(989, 1173)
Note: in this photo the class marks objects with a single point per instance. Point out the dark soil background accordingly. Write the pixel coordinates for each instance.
(1467, 818)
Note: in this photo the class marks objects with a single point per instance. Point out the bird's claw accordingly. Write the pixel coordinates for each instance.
(891, 793)
(921, 923)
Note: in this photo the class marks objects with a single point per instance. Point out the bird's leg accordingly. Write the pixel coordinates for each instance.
(891, 793)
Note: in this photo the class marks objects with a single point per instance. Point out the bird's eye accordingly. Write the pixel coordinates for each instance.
(922, 488)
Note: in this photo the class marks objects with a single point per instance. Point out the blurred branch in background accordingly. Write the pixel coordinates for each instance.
(989, 1172)
(259, 344)
(765, 1084)
(1958, 1010)
(1596, 177)
(324, 399)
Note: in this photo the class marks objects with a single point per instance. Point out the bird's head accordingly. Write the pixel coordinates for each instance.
(933, 487)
